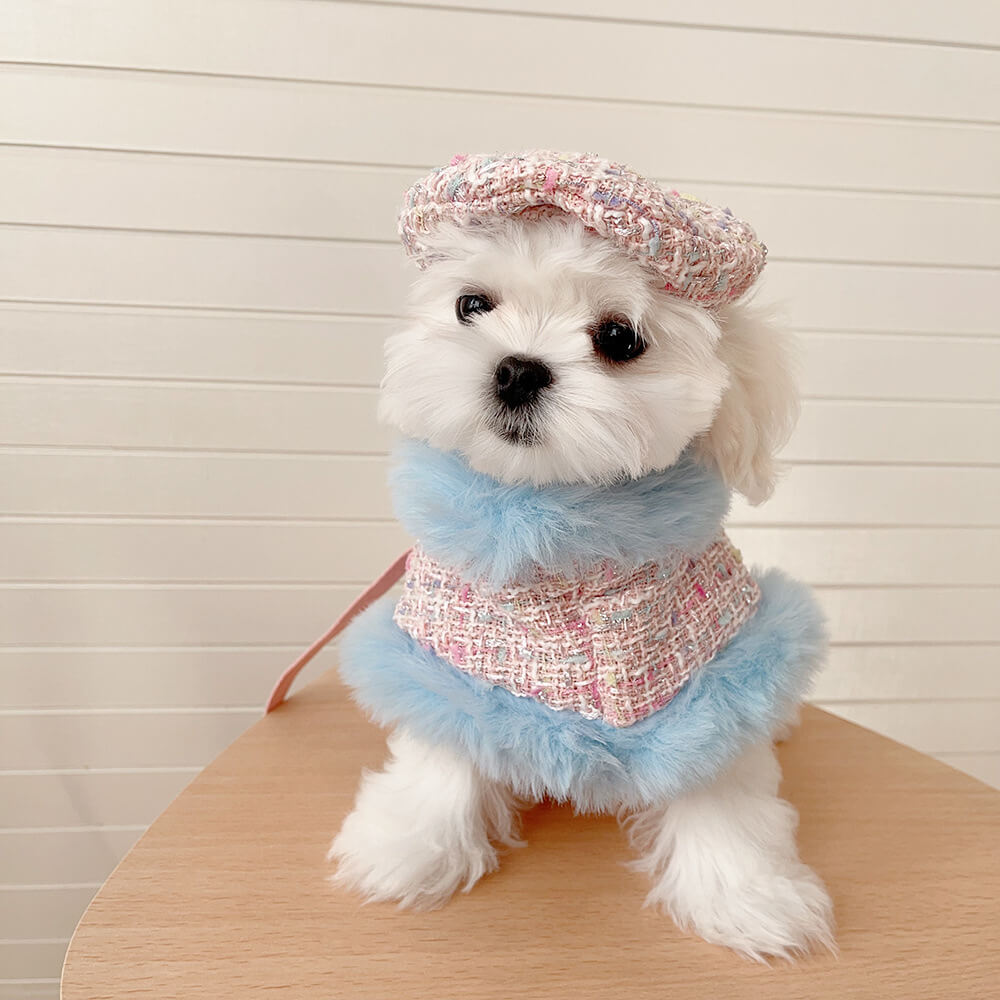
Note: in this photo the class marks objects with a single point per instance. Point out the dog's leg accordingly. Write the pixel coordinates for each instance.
(724, 864)
(422, 827)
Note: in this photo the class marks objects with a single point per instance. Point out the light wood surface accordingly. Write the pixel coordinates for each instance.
(226, 895)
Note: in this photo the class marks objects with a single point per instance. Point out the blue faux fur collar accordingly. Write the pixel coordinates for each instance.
(496, 532)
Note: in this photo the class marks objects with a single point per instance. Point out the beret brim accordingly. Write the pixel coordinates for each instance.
(702, 253)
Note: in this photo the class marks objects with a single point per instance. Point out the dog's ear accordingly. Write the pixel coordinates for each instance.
(759, 406)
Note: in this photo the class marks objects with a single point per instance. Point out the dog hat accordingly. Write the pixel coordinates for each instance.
(702, 253)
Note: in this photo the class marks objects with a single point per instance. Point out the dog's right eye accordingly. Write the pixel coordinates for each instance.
(471, 304)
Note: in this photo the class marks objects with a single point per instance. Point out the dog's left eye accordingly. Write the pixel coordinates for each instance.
(472, 304)
(617, 341)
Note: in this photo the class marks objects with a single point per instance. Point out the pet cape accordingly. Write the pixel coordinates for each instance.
(715, 657)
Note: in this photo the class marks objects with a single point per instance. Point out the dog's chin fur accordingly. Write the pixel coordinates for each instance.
(722, 858)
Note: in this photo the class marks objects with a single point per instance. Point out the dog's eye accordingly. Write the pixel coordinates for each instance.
(615, 340)
(471, 304)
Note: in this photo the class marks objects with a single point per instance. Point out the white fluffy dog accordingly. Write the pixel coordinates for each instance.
(620, 380)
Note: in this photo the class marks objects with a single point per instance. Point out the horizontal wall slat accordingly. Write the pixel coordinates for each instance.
(909, 672)
(860, 297)
(186, 270)
(42, 913)
(108, 740)
(51, 678)
(97, 108)
(179, 344)
(896, 432)
(203, 194)
(145, 678)
(144, 416)
(53, 857)
(184, 615)
(91, 266)
(240, 486)
(175, 552)
(84, 187)
(123, 342)
(869, 614)
(174, 485)
(181, 615)
(879, 495)
(968, 21)
(168, 552)
(94, 799)
(372, 44)
(31, 960)
(930, 727)
(343, 420)
(879, 367)
(203, 417)
(943, 556)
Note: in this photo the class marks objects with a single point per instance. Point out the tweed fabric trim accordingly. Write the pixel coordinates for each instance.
(613, 644)
(701, 253)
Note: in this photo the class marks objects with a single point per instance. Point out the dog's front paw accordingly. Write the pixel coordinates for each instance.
(422, 828)
(774, 912)
(404, 864)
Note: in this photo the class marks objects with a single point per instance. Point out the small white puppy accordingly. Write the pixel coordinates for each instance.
(542, 355)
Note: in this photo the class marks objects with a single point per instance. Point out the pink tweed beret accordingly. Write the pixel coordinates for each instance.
(701, 253)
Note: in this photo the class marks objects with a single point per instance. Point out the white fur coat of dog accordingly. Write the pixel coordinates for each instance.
(611, 381)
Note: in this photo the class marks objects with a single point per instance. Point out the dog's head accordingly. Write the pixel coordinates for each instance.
(541, 353)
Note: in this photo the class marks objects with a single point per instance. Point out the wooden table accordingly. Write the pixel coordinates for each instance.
(226, 895)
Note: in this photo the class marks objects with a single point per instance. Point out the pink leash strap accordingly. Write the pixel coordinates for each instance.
(371, 594)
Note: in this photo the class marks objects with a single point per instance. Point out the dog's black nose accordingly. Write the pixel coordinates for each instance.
(519, 381)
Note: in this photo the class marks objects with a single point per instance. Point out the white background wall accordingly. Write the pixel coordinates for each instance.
(198, 265)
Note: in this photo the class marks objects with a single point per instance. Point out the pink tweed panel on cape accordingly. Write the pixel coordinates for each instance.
(701, 253)
(613, 644)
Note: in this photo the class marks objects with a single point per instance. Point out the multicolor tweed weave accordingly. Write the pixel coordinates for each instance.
(702, 253)
(613, 644)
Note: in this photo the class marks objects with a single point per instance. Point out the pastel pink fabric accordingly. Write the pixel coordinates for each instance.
(699, 252)
(371, 593)
(613, 644)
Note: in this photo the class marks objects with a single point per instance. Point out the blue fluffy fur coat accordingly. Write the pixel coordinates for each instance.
(495, 532)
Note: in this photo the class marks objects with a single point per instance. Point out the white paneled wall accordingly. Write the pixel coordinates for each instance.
(198, 266)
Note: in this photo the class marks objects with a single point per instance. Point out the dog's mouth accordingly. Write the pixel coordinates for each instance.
(517, 427)
(526, 437)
